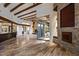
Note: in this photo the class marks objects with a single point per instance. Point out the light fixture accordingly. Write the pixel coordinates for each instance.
(38, 25)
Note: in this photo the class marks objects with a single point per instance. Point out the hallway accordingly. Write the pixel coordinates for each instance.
(31, 47)
(39, 29)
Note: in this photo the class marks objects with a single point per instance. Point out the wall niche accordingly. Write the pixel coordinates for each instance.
(67, 37)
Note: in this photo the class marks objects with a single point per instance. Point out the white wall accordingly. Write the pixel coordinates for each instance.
(19, 30)
(29, 28)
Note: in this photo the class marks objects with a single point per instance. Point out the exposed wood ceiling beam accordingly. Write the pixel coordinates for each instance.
(34, 3)
(6, 4)
(27, 13)
(30, 16)
(55, 8)
(27, 8)
(2, 22)
(16, 7)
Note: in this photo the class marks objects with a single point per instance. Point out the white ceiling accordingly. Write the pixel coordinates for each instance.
(24, 6)
(42, 7)
(11, 6)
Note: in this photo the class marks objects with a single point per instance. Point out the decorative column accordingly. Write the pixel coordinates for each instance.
(53, 22)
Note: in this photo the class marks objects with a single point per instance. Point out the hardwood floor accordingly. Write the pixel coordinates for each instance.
(23, 46)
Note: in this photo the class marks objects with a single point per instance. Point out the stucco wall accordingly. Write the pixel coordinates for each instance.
(75, 30)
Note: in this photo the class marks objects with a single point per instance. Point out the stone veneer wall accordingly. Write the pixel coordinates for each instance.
(74, 46)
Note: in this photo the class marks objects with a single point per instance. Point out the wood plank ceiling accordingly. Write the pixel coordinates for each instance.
(22, 10)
